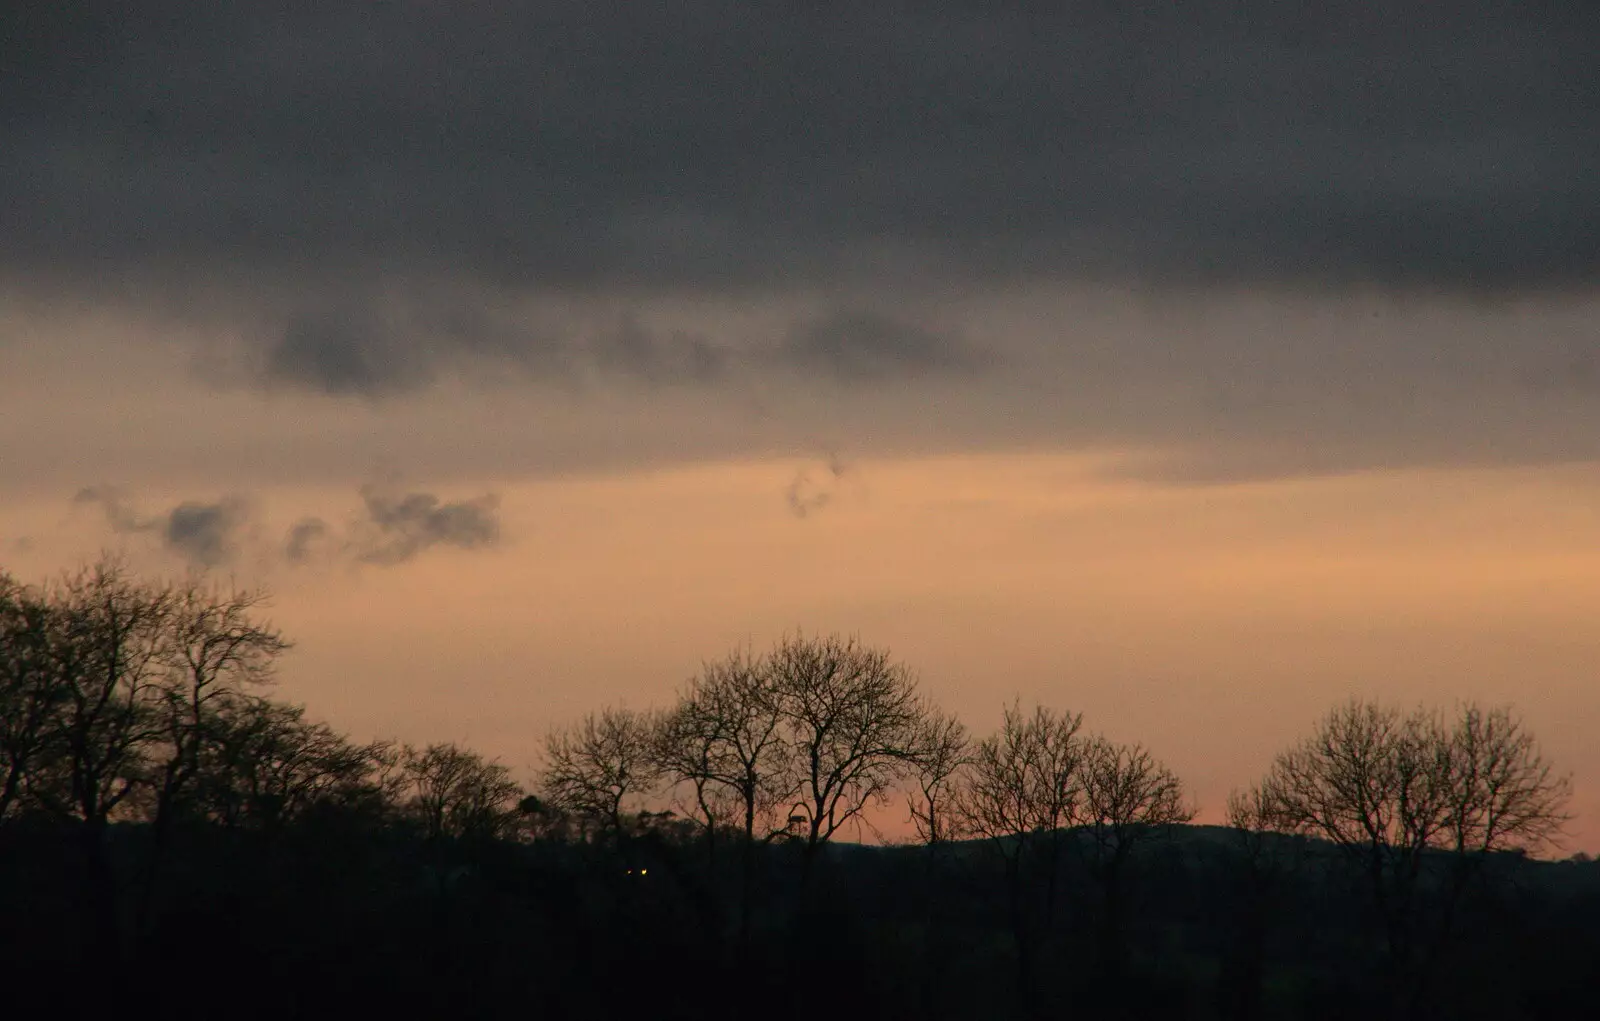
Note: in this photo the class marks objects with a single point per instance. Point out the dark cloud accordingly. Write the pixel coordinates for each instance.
(205, 534)
(866, 347)
(379, 345)
(372, 198)
(577, 143)
(340, 355)
(393, 527)
(303, 538)
(676, 356)
(809, 492)
(400, 526)
(384, 346)
(119, 514)
(375, 343)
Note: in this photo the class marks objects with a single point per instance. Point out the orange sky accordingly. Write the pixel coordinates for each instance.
(1193, 368)
(1213, 623)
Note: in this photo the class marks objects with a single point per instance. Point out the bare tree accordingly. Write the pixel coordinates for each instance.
(108, 638)
(1025, 784)
(1260, 859)
(214, 651)
(30, 686)
(1503, 794)
(111, 659)
(1128, 798)
(1021, 790)
(850, 718)
(603, 765)
(725, 738)
(687, 748)
(266, 764)
(452, 792)
(115, 682)
(1250, 815)
(1393, 789)
(939, 752)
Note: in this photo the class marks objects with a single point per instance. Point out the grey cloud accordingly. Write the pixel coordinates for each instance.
(119, 514)
(676, 356)
(393, 527)
(375, 344)
(204, 533)
(303, 538)
(808, 492)
(403, 525)
(866, 347)
(378, 346)
(751, 202)
(340, 355)
(575, 143)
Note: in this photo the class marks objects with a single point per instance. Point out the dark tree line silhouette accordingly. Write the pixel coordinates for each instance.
(171, 835)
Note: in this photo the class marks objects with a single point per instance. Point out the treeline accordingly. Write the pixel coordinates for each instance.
(162, 821)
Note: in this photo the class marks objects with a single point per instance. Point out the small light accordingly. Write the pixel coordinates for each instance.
(644, 872)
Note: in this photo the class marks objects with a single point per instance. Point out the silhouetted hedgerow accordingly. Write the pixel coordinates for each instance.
(171, 841)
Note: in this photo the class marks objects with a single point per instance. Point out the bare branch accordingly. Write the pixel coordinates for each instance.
(602, 765)
(940, 751)
(850, 716)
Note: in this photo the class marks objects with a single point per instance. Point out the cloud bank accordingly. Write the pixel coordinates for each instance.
(719, 143)
(1337, 234)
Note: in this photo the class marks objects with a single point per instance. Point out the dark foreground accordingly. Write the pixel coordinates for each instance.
(338, 917)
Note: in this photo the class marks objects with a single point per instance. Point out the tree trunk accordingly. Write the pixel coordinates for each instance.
(747, 870)
(1020, 934)
(100, 904)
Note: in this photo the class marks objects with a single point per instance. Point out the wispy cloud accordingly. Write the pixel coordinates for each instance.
(862, 346)
(813, 489)
(120, 515)
(304, 538)
(204, 533)
(393, 527)
(399, 526)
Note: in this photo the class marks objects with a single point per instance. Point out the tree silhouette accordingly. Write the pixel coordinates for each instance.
(1260, 864)
(213, 649)
(1392, 788)
(387, 876)
(31, 686)
(939, 753)
(452, 792)
(1021, 791)
(600, 767)
(1128, 798)
(267, 766)
(850, 717)
(724, 737)
(112, 662)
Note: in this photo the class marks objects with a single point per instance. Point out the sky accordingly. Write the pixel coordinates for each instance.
(1195, 367)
